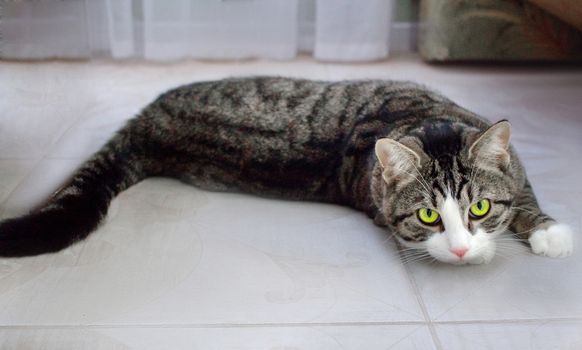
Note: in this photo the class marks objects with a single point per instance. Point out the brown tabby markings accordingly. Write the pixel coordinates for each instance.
(290, 138)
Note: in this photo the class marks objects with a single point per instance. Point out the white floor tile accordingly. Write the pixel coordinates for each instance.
(520, 287)
(37, 106)
(12, 172)
(43, 179)
(541, 335)
(89, 134)
(170, 254)
(546, 133)
(247, 338)
(167, 254)
(291, 262)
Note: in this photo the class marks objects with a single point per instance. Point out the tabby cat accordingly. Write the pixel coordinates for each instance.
(441, 178)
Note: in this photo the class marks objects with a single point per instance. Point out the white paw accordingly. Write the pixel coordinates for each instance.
(554, 241)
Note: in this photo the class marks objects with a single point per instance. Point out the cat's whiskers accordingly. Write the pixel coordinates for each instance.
(424, 182)
(426, 190)
(388, 238)
(507, 247)
(510, 250)
(509, 239)
(427, 187)
(422, 256)
(411, 251)
(526, 231)
(523, 209)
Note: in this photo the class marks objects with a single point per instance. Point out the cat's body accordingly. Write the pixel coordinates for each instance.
(302, 140)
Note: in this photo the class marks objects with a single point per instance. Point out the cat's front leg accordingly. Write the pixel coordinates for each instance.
(545, 235)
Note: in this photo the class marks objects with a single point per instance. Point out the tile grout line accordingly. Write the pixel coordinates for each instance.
(216, 325)
(38, 161)
(420, 302)
(297, 324)
(511, 321)
(36, 164)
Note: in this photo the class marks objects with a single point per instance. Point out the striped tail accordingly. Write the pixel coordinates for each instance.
(77, 208)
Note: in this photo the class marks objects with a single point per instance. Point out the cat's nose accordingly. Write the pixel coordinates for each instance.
(460, 252)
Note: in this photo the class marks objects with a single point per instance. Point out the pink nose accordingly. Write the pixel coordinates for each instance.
(460, 252)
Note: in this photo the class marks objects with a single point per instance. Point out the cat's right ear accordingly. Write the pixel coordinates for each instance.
(396, 159)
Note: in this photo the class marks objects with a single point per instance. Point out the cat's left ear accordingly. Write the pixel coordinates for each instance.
(492, 146)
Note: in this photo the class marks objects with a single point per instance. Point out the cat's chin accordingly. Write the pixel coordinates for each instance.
(482, 250)
(479, 260)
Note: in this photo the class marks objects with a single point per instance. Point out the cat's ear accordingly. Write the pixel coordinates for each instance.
(492, 146)
(396, 159)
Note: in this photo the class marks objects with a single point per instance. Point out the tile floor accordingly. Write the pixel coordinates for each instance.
(167, 271)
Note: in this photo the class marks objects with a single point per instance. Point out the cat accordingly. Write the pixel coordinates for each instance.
(443, 180)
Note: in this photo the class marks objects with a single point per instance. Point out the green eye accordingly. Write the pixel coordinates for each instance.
(428, 216)
(480, 209)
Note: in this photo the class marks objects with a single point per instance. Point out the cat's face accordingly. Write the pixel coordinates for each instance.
(451, 198)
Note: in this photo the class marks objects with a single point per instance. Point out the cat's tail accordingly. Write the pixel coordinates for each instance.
(77, 208)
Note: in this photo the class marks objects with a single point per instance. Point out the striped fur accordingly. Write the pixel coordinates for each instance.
(290, 138)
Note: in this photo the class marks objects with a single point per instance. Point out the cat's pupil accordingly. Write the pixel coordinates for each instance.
(479, 205)
(429, 213)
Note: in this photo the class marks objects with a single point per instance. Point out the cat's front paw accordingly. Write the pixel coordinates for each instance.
(554, 241)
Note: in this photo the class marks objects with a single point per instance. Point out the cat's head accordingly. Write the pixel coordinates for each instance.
(447, 191)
